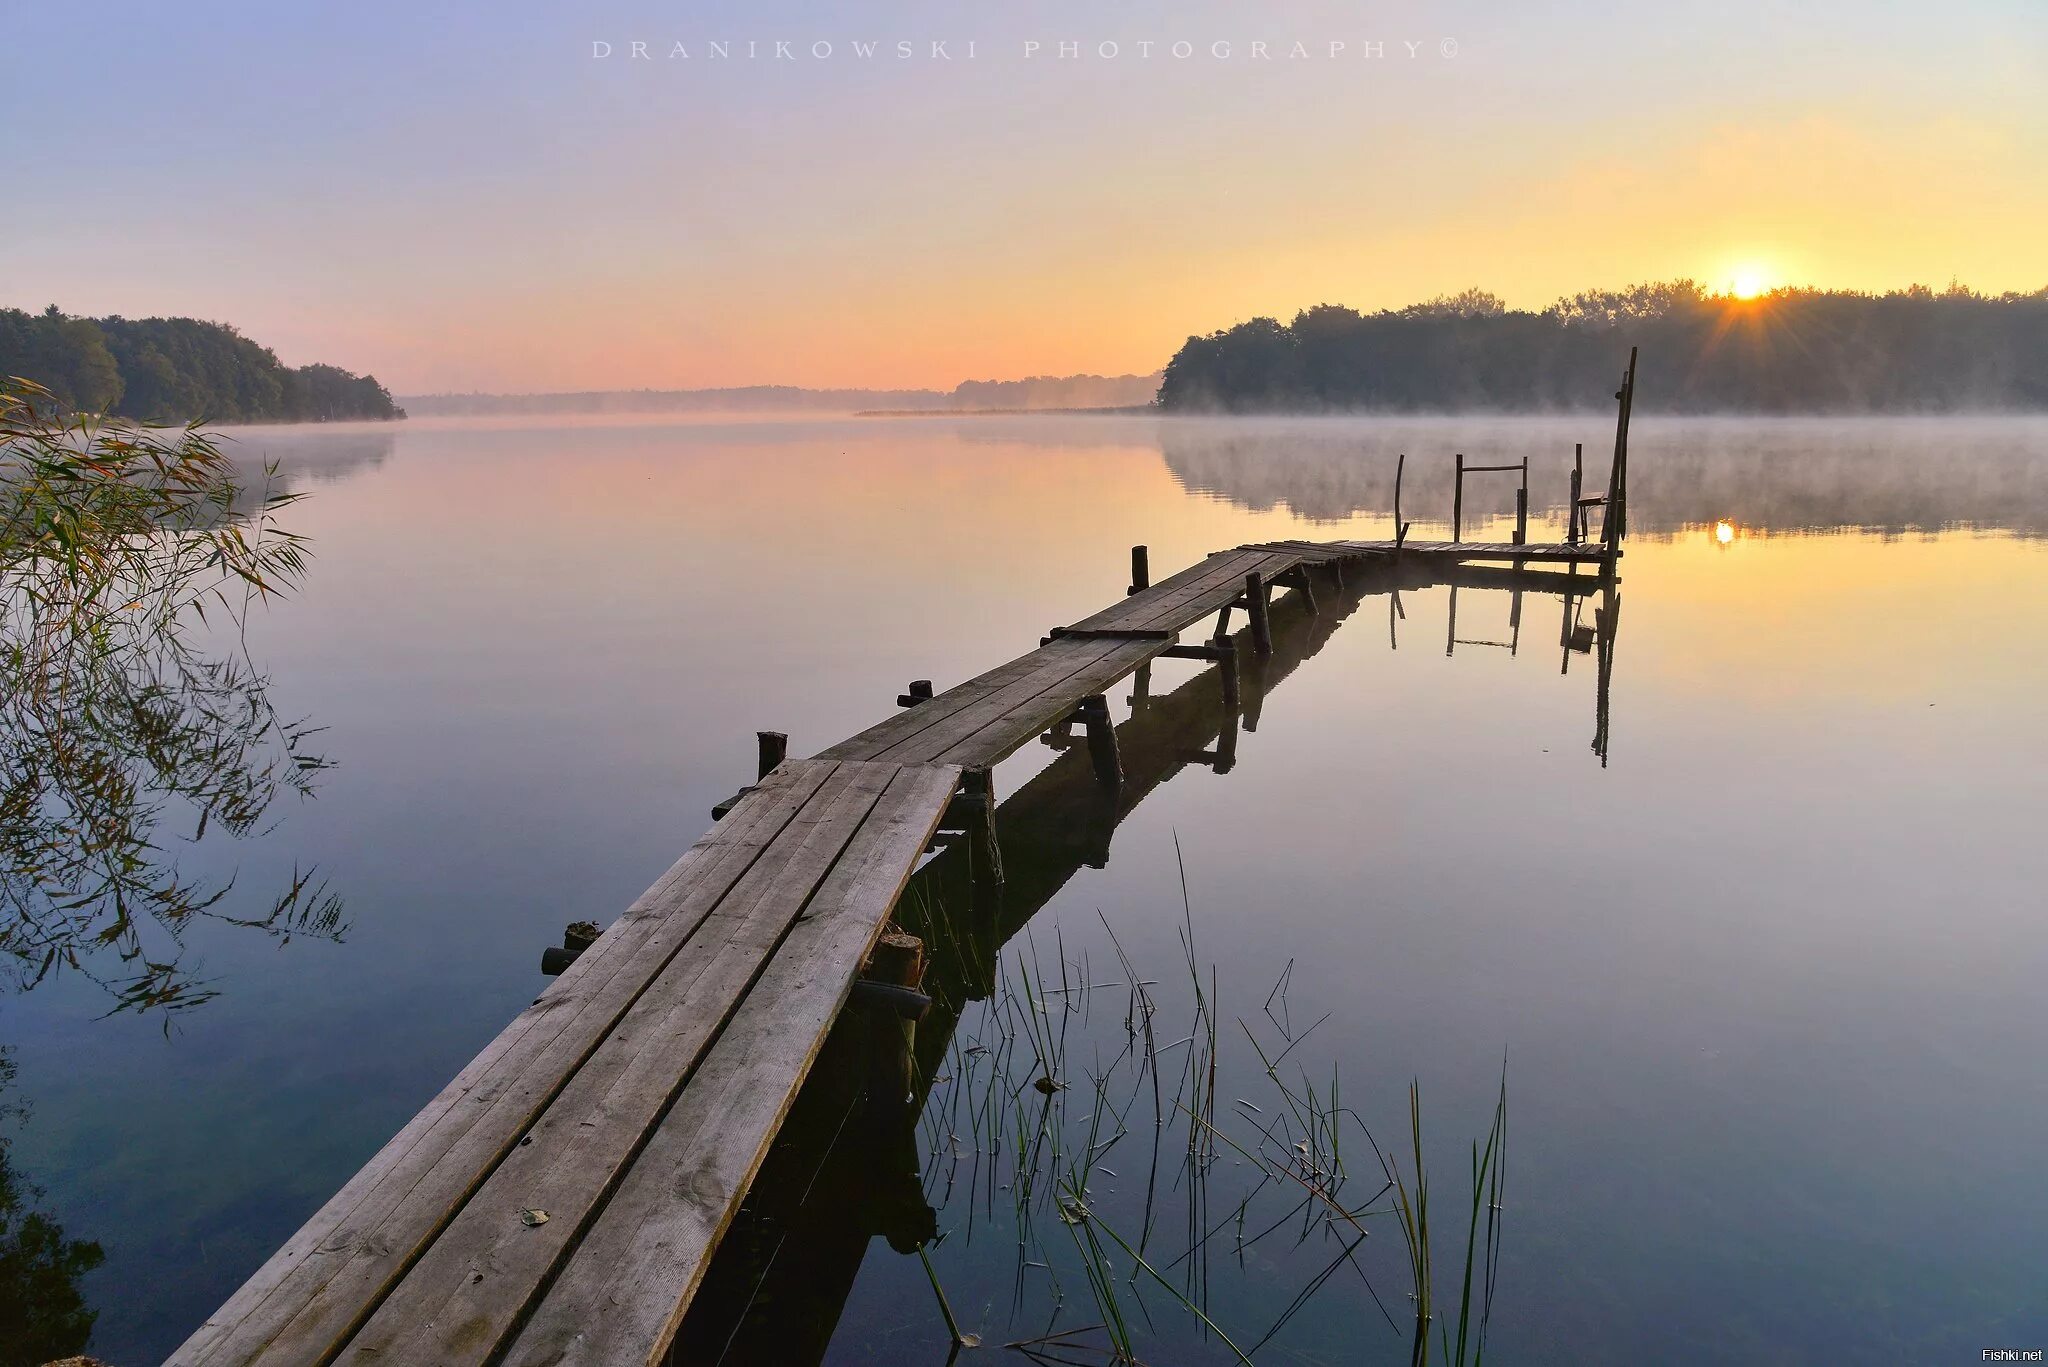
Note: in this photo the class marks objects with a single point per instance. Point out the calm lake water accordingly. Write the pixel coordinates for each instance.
(1767, 981)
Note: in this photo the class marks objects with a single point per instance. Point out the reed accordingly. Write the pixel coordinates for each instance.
(1034, 1105)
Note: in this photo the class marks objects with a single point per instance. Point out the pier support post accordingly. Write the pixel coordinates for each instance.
(1102, 740)
(897, 961)
(1458, 502)
(1222, 632)
(978, 787)
(1256, 601)
(1141, 570)
(1522, 507)
(577, 936)
(1578, 491)
(1300, 580)
(1614, 525)
(774, 749)
(920, 691)
(1400, 530)
(1227, 667)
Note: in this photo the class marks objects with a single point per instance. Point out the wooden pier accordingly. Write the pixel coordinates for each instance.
(560, 1200)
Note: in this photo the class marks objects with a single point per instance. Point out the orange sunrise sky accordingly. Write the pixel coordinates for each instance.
(493, 205)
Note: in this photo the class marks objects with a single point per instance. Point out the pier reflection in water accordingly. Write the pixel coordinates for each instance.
(860, 1160)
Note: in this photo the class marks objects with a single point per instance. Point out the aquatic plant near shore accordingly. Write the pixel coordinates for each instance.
(118, 545)
(1032, 1107)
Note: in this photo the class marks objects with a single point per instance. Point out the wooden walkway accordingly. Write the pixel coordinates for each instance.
(559, 1200)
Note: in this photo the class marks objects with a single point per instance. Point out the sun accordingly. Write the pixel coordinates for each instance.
(1749, 282)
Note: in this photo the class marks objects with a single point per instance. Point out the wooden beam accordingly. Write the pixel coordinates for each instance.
(1256, 603)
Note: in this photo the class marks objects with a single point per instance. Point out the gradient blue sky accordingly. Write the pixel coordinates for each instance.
(458, 196)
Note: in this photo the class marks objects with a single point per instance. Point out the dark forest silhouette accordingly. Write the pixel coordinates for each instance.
(1788, 351)
(177, 370)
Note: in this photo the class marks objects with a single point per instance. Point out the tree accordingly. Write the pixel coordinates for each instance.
(1792, 350)
(177, 370)
(67, 356)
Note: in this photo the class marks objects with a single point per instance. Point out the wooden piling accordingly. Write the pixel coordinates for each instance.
(1141, 570)
(1614, 525)
(1522, 507)
(774, 749)
(977, 785)
(1458, 502)
(1303, 584)
(1101, 740)
(896, 961)
(1576, 519)
(1255, 605)
(1400, 527)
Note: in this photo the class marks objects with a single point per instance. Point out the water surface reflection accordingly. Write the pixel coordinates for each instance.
(1749, 975)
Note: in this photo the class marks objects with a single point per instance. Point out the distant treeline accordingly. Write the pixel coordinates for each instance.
(1058, 391)
(1037, 392)
(177, 370)
(1788, 351)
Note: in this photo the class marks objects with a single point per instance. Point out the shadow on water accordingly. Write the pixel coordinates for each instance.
(866, 1150)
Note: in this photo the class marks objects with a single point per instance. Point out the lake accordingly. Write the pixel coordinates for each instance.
(1763, 968)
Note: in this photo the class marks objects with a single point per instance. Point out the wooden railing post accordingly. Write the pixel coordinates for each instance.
(1400, 527)
(1572, 527)
(1141, 570)
(1614, 525)
(1458, 502)
(1522, 507)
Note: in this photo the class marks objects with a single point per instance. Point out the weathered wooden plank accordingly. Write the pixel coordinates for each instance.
(893, 738)
(1268, 566)
(322, 1281)
(995, 724)
(1168, 604)
(468, 1290)
(1493, 550)
(871, 743)
(1059, 664)
(986, 740)
(622, 1293)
